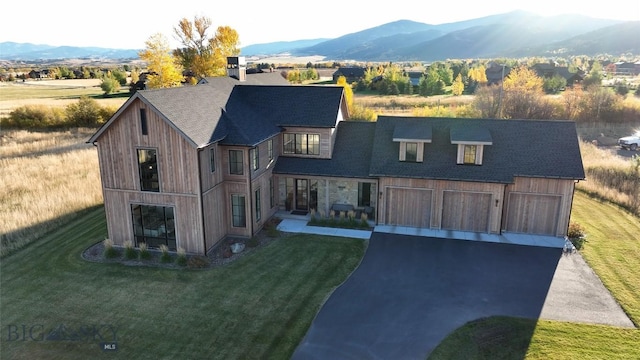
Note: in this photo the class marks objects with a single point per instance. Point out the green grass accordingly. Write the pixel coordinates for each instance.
(257, 307)
(55, 92)
(613, 251)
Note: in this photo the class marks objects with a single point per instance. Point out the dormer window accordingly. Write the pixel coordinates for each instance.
(412, 136)
(471, 141)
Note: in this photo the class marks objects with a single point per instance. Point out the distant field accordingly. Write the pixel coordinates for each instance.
(54, 93)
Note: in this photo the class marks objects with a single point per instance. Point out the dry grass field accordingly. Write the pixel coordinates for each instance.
(46, 177)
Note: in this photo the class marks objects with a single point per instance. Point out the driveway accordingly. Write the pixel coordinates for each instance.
(410, 292)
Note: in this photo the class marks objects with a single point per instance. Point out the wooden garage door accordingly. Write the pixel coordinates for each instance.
(467, 211)
(408, 207)
(533, 213)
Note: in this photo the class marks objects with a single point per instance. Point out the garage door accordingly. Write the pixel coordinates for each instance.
(533, 213)
(467, 211)
(408, 207)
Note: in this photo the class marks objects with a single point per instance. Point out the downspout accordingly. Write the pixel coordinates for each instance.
(504, 209)
(573, 194)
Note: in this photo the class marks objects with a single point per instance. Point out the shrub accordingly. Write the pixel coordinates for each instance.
(181, 259)
(109, 251)
(144, 251)
(129, 250)
(363, 220)
(576, 234)
(36, 116)
(198, 262)
(86, 112)
(272, 230)
(165, 257)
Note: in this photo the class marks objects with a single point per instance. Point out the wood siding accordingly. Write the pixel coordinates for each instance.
(178, 176)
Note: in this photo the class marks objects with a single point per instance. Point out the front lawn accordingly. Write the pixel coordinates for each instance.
(612, 249)
(257, 307)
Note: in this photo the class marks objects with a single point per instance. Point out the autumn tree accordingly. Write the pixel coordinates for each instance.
(164, 68)
(202, 54)
(348, 92)
(457, 88)
(522, 96)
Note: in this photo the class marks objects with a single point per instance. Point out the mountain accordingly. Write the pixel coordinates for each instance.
(501, 35)
(512, 34)
(22, 51)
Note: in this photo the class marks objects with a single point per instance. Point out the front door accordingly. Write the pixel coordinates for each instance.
(302, 194)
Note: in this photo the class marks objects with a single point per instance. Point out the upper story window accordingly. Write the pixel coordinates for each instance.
(212, 159)
(306, 144)
(143, 122)
(148, 170)
(255, 158)
(412, 136)
(470, 152)
(270, 148)
(471, 141)
(235, 162)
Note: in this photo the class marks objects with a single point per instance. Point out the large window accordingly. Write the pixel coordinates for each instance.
(470, 154)
(238, 211)
(306, 144)
(148, 169)
(235, 162)
(154, 225)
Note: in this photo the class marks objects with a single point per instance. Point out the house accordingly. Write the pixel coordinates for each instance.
(187, 167)
(351, 74)
(496, 73)
(551, 69)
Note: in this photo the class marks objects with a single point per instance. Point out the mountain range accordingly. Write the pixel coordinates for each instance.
(513, 34)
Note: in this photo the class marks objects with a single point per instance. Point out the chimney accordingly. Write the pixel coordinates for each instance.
(237, 67)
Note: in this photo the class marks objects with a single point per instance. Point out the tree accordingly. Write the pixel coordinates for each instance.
(109, 85)
(554, 84)
(594, 77)
(203, 55)
(522, 97)
(457, 88)
(164, 69)
(348, 92)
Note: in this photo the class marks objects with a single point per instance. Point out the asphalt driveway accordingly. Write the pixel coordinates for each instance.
(410, 292)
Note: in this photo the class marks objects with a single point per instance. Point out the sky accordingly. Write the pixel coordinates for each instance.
(128, 24)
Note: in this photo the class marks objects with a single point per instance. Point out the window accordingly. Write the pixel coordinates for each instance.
(411, 152)
(270, 148)
(255, 158)
(148, 168)
(271, 192)
(154, 225)
(143, 122)
(237, 211)
(470, 154)
(212, 159)
(306, 144)
(364, 194)
(235, 162)
(258, 205)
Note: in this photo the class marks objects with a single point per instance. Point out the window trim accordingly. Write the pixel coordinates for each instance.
(240, 216)
(299, 144)
(258, 204)
(212, 159)
(238, 154)
(140, 174)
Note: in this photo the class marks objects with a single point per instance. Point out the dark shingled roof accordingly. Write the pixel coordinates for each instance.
(532, 148)
(470, 134)
(351, 155)
(419, 131)
(237, 113)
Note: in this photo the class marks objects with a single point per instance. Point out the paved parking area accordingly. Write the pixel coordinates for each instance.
(410, 292)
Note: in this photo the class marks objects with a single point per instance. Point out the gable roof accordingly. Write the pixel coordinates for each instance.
(532, 148)
(236, 113)
(351, 155)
